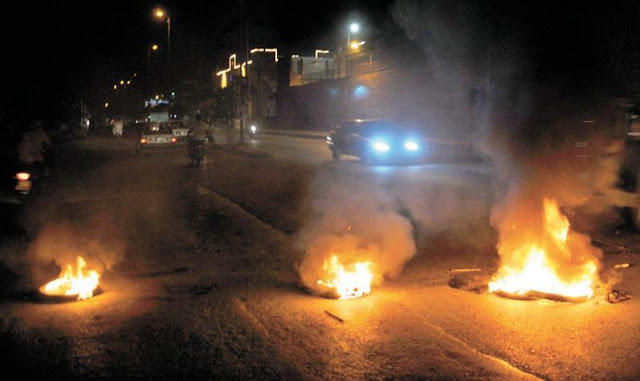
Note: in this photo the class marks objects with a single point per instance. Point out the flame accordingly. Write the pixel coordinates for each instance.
(349, 282)
(72, 281)
(550, 265)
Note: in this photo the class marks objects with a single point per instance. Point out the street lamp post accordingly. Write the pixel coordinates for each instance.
(161, 14)
(153, 48)
(353, 28)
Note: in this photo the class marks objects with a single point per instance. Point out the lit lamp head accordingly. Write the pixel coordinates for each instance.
(159, 13)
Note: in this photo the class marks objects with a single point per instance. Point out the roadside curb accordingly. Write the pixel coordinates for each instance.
(304, 135)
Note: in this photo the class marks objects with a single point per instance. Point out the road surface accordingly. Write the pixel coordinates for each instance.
(200, 276)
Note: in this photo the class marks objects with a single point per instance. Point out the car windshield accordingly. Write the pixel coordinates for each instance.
(385, 128)
(175, 125)
(157, 130)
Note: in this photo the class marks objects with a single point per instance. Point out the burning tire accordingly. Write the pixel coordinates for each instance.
(43, 296)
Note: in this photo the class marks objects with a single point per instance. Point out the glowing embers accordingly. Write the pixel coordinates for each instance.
(549, 262)
(77, 282)
(347, 281)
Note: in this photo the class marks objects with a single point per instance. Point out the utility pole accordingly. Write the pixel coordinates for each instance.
(245, 112)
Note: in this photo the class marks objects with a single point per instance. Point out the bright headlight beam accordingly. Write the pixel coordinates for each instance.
(381, 146)
(411, 146)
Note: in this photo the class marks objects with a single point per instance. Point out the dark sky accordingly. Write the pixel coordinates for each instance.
(63, 50)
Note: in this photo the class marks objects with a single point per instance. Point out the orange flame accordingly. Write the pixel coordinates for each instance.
(550, 266)
(74, 282)
(349, 282)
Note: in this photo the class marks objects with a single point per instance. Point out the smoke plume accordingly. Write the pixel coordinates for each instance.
(535, 82)
(356, 226)
(99, 242)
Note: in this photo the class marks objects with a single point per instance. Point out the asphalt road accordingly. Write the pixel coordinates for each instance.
(200, 276)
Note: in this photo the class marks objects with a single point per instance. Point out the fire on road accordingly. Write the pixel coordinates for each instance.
(208, 287)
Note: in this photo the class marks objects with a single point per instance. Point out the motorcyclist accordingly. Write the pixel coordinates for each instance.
(197, 138)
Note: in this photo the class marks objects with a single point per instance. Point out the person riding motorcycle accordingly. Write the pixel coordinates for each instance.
(196, 140)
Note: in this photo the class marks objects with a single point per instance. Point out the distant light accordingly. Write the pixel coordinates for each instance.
(223, 81)
(159, 13)
(115, 87)
(106, 104)
(360, 92)
(355, 45)
(154, 47)
(122, 82)
(411, 146)
(354, 27)
(320, 51)
(23, 176)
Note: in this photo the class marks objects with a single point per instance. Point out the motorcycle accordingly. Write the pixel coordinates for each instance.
(196, 151)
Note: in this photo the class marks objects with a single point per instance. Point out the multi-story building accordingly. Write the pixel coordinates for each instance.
(256, 81)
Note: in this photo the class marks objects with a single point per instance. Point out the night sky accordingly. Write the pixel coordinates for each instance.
(70, 50)
(66, 47)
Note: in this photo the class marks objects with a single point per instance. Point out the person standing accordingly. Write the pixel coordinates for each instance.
(118, 127)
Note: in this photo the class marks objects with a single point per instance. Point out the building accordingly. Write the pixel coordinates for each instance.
(255, 81)
(305, 70)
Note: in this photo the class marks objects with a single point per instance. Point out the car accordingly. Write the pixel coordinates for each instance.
(156, 136)
(375, 141)
(180, 130)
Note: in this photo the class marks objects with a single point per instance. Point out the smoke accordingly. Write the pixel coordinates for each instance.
(534, 82)
(453, 46)
(356, 226)
(58, 244)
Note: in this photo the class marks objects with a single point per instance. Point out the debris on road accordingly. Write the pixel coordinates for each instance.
(470, 281)
(617, 296)
(336, 317)
(466, 270)
(614, 248)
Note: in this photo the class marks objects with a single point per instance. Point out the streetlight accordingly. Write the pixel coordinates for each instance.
(161, 14)
(153, 48)
(355, 45)
(353, 28)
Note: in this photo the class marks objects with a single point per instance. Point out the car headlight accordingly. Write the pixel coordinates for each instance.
(381, 146)
(411, 146)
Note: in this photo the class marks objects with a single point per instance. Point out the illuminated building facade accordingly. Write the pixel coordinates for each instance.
(260, 74)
